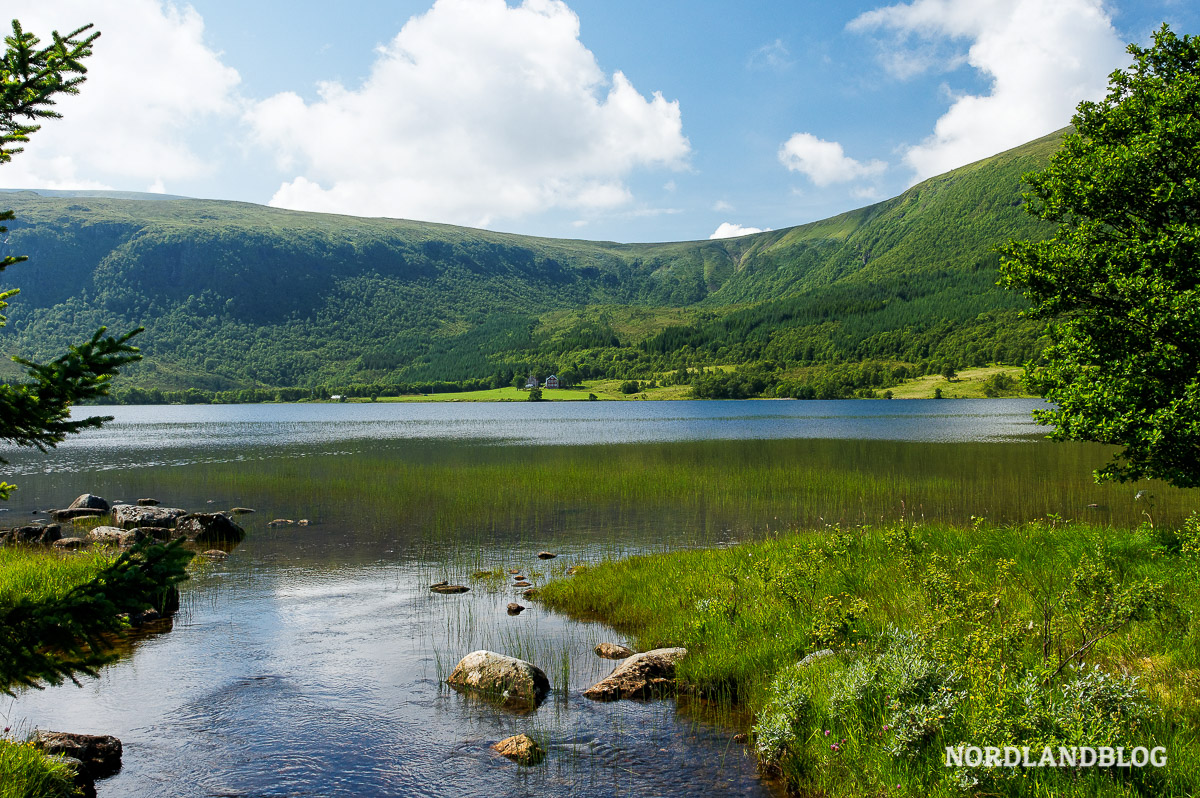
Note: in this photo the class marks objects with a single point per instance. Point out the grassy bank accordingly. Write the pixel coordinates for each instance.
(25, 772)
(40, 575)
(1040, 634)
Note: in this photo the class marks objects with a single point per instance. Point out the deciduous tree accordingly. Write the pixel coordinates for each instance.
(1120, 280)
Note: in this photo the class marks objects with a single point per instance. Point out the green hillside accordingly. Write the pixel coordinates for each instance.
(238, 296)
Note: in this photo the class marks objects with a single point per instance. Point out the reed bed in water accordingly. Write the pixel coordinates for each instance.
(1027, 635)
(758, 484)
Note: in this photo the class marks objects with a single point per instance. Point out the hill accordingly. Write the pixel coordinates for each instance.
(237, 296)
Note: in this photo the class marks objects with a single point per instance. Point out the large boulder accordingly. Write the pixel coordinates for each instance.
(209, 528)
(129, 516)
(100, 754)
(90, 502)
(640, 676)
(517, 684)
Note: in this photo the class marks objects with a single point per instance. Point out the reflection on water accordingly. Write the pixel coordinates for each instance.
(312, 660)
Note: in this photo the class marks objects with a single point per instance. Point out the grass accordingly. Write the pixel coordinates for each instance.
(44, 574)
(25, 772)
(602, 389)
(1034, 634)
(967, 385)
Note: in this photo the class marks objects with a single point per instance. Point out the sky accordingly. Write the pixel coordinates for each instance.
(619, 120)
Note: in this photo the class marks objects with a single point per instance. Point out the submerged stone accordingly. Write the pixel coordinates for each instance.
(444, 588)
(520, 748)
(613, 651)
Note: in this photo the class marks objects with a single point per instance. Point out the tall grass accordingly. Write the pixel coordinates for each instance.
(25, 772)
(1036, 634)
(41, 574)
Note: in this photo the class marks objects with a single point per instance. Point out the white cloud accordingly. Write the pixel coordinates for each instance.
(773, 56)
(150, 83)
(730, 230)
(476, 111)
(825, 162)
(1042, 58)
(721, 206)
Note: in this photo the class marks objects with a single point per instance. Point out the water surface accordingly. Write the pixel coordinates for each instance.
(312, 660)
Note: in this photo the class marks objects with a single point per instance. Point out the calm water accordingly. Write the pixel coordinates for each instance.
(311, 662)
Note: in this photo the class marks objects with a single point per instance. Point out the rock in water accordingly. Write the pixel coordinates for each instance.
(520, 748)
(115, 536)
(148, 502)
(546, 555)
(445, 588)
(613, 651)
(89, 501)
(78, 512)
(128, 516)
(209, 528)
(517, 684)
(100, 754)
(641, 676)
(515, 609)
(240, 510)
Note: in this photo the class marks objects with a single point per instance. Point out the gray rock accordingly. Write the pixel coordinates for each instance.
(90, 502)
(77, 512)
(515, 683)
(209, 528)
(641, 676)
(31, 534)
(128, 516)
(100, 754)
(70, 544)
(115, 536)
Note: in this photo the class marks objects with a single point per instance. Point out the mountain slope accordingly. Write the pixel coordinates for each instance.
(236, 295)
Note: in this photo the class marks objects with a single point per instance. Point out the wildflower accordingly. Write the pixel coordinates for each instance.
(827, 732)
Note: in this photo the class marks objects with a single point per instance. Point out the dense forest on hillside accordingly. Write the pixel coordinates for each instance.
(246, 302)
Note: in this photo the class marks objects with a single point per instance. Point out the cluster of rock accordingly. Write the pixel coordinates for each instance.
(130, 524)
(521, 686)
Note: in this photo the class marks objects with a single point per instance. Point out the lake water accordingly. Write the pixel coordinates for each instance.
(311, 661)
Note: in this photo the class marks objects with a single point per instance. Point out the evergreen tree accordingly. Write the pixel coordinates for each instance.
(56, 640)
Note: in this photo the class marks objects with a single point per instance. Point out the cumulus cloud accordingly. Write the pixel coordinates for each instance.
(1042, 59)
(150, 83)
(475, 111)
(730, 230)
(824, 162)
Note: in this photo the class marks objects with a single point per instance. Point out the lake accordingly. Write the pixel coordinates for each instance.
(312, 660)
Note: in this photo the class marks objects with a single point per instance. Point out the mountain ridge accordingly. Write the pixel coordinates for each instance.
(236, 295)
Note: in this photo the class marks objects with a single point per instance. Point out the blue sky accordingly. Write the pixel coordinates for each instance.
(598, 119)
